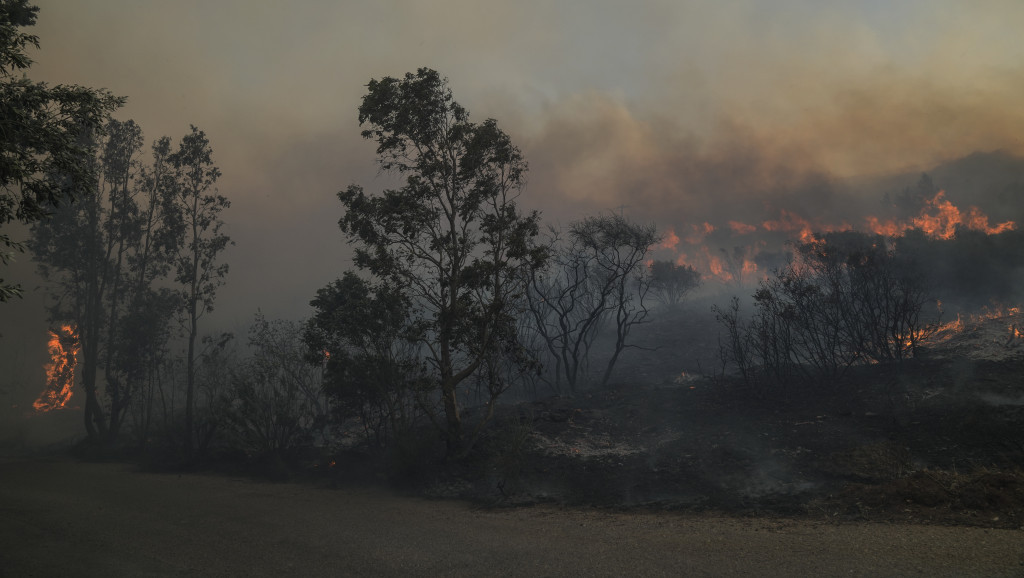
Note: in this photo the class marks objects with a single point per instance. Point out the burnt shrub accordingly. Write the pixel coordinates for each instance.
(273, 405)
(845, 298)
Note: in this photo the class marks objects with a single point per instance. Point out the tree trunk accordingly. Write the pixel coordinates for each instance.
(453, 419)
(190, 378)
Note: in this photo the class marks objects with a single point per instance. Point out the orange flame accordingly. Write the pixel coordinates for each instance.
(962, 323)
(670, 241)
(939, 219)
(741, 228)
(60, 371)
(699, 232)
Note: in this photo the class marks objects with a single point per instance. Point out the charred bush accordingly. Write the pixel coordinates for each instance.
(846, 298)
(595, 279)
(670, 283)
(273, 405)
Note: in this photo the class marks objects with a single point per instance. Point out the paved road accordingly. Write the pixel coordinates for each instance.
(63, 518)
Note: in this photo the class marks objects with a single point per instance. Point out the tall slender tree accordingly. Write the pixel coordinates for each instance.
(196, 208)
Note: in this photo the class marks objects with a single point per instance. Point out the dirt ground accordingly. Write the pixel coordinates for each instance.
(938, 439)
(911, 469)
(60, 517)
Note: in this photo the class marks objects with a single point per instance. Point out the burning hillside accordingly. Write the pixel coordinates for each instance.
(995, 334)
(747, 251)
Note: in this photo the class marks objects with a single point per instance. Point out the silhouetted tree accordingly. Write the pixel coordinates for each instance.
(596, 275)
(671, 282)
(145, 329)
(451, 238)
(195, 210)
(46, 135)
(86, 248)
(847, 298)
(373, 371)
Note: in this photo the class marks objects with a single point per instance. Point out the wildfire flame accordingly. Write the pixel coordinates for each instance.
(60, 371)
(938, 218)
(962, 323)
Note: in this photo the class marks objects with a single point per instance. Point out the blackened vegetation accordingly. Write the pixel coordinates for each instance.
(847, 298)
(596, 278)
(825, 403)
(925, 444)
(972, 269)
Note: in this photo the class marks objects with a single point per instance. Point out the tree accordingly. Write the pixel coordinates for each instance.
(145, 330)
(671, 282)
(372, 370)
(597, 275)
(91, 250)
(81, 247)
(195, 209)
(452, 237)
(45, 135)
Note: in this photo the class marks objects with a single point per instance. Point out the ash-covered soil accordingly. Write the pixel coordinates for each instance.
(937, 439)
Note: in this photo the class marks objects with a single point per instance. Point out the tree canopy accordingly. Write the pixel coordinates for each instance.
(45, 156)
(452, 237)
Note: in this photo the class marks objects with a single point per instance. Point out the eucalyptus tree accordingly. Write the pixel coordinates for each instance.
(452, 237)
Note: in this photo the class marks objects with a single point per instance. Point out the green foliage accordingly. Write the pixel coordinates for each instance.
(45, 135)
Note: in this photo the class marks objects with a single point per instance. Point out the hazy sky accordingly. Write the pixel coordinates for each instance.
(678, 109)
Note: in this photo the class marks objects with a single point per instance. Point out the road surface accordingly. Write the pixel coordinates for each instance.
(59, 517)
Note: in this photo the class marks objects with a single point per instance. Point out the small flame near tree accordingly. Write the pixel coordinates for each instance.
(60, 371)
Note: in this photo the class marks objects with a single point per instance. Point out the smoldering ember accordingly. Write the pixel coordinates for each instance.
(686, 289)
